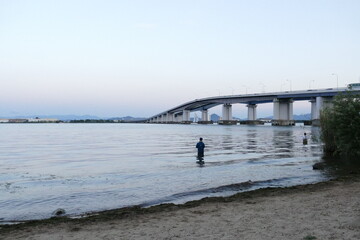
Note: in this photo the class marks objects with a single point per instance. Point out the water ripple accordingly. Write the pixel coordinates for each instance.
(92, 167)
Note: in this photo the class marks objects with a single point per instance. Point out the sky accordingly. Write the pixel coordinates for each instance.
(141, 57)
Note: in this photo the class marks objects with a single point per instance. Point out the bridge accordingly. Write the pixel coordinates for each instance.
(282, 106)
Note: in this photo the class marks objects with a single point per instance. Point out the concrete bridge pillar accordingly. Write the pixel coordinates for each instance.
(252, 115)
(179, 118)
(328, 102)
(169, 117)
(176, 118)
(227, 115)
(252, 112)
(227, 112)
(314, 112)
(186, 116)
(276, 109)
(316, 107)
(283, 112)
(205, 115)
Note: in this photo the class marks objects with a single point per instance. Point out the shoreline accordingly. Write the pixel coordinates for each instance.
(142, 208)
(246, 187)
(265, 208)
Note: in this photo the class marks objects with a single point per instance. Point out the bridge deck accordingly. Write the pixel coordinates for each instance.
(256, 98)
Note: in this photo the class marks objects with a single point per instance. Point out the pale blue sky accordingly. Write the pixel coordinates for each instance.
(116, 58)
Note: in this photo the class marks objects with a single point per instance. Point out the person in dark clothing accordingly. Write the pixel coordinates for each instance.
(200, 146)
(305, 139)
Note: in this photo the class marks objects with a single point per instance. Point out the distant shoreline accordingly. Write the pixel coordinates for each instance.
(72, 121)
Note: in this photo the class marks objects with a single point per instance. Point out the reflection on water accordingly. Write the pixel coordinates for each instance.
(283, 141)
(251, 139)
(92, 167)
(340, 167)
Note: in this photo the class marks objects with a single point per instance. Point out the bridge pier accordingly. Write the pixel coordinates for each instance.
(317, 105)
(252, 115)
(186, 117)
(314, 112)
(251, 112)
(169, 118)
(204, 117)
(178, 118)
(283, 112)
(227, 115)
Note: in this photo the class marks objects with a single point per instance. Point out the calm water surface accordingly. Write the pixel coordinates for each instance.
(93, 167)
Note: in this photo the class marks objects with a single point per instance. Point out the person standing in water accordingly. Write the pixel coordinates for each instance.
(200, 146)
(305, 139)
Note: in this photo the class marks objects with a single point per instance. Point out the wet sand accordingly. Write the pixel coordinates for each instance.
(328, 210)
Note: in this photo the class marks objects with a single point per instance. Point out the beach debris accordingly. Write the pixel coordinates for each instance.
(319, 166)
(309, 237)
(59, 212)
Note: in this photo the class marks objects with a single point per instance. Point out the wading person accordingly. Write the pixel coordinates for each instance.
(200, 146)
(305, 140)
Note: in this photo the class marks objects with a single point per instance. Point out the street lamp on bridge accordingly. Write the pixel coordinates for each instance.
(289, 83)
(246, 89)
(310, 83)
(263, 87)
(337, 80)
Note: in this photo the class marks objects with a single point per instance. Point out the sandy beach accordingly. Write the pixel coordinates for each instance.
(328, 210)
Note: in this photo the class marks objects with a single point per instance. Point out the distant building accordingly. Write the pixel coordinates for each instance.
(18, 120)
(43, 120)
(265, 120)
(4, 120)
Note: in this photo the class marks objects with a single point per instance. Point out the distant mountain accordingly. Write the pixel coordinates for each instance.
(299, 117)
(127, 118)
(303, 116)
(60, 117)
(76, 117)
(214, 117)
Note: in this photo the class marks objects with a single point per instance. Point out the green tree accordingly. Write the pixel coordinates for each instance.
(340, 126)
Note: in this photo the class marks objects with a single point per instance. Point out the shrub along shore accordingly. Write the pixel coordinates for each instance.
(340, 126)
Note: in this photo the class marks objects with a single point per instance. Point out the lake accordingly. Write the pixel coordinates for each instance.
(92, 167)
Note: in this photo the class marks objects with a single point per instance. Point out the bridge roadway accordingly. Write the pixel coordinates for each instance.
(282, 106)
